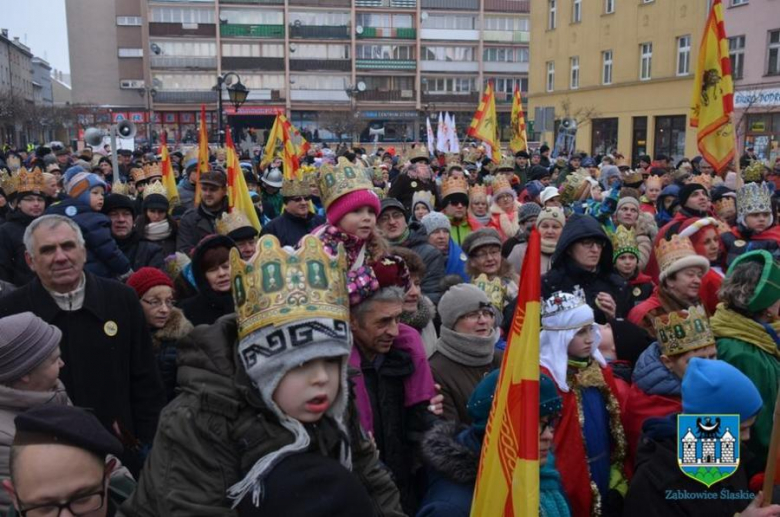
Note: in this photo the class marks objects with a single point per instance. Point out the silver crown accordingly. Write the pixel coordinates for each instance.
(753, 199)
(561, 302)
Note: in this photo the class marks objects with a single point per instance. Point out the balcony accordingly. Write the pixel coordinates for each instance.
(261, 95)
(386, 96)
(182, 29)
(450, 98)
(387, 32)
(503, 67)
(386, 64)
(320, 31)
(253, 63)
(304, 65)
(184, 62)
(397, 4)
(319, 95)
(449, 66)
(450, 34)
(252, 2)
(508, 6)
(185, 96)
(322, 3)
(508, 36)
(451, 5)
(234, 30)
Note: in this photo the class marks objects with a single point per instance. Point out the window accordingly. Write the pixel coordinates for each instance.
(184, 81)
(606, 67)
(604, 136)
(185, 48)
(737, 56)
(449, 85)
(450, 22)
(379, 51)
(670, 137)
(506, 23)
(645, 61)
(576, 13)
(773, 68)
(574, 81)
(182, 15)
(735, 3)
(552, 19)
(384, 21)
(131, 52)
(505, 54)
(505, 87)
(683, 55)
(328, 19)
(129, 21)
(253, 50)
(609, 6)
(253, 17)
(448, 54)
(318, 82)
(550, 76)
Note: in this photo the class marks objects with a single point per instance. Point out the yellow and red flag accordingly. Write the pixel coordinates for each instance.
(203, 152)
(713, 94)
(270, 145)
(238, 192)
(484, 125)
(508, 476)
(519, 141)
(168, 181)
(282, 143)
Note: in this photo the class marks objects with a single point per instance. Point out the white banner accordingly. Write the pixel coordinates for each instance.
(757, 98)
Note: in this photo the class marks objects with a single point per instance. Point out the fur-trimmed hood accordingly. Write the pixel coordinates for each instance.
(446, 448)
(176, 328)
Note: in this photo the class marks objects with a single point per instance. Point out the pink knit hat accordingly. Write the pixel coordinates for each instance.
(351, 202)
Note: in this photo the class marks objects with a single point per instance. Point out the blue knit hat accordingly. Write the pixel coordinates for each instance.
(80, 183)
(534, 188)
(715, 387)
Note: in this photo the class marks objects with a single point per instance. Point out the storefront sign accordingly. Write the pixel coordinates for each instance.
(187, 118)
(118, 117)
(255, 110)
(757, 98)
(388, 114)
(757, 126)
(138, 117)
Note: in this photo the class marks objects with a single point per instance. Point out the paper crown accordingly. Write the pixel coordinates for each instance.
(420, 152)
(152, 170)
(456, 185)
(471, 155)
(632, 177)
(683, 331)
(120, 188)
(340, 179)
(705, 180)
(230, 221)
(561, 302)
(494, 289)
(506, 163)
(653, 181)
(278, 286)
(754, 198)
(422, 196)
(156, 188)
(623, 241)
(574, 187)
(296, 187)
(9, 183)
(31, 181)
(14, 163)
(137, 174)
(754, 172)
(501, 185)
(477, 190)
(669, 251)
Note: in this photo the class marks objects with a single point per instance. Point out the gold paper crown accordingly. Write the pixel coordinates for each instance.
(14, 163)
(574, 187)
(418, 153)
(683, 331)
(296, 187)
(500, 184)
(156, 188)
(137, 174)
(654, 181)
(477, 190)
(672, 250)
(507, 162)
(725, 204)
(9, 183)
(454, 185)
(705, 180)
(230, 221)
(494, 289)
(754, 198)
(631, 177)
(31, 180)
(152, 170)
(120, 188)
(754, 171)
(561, 302)
(471, 155)
(623, 241)
(340, 179)
(277, 286)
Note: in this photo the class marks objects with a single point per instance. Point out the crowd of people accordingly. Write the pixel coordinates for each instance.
(164, 357)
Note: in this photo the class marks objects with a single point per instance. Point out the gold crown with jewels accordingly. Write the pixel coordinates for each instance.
(296, 187)
(683, 331)
(672, 250)
(624, 241)
(561, 302)
(705, 180)
(152, 170)
(454, 185)
(278, 286)
(230, 221)
(340, 179)
(506, 163)
(501, 185)
(754, 171)
(574, 187)
(31, 180)
(494, 289)
(117, 187)
(477, 190)
(8, 182)
(754, 198)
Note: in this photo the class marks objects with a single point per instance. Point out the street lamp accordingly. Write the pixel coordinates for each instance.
(150, 93)
(237, 93)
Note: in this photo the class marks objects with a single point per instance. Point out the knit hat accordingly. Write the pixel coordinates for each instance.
(550, 403)
(548, 193)
(553, 213)
(676, 254)
(461, 299)
(436, 221)
(711, 386)
(767, 291)
(391, 271)
(25, 342)
(79, 185)
(155, 202)
(687, 190)
(528, 211)
(607, 173)
(538, 172)
(628, 200)
(534, 188)
(117, 201)
(480, 238)
(146, 278)
(349, 203)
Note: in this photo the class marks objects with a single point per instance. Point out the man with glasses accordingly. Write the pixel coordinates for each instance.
(455, 204)
(200, 221)
(297, 219)
(62, 462)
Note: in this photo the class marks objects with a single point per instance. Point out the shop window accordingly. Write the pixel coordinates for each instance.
(604, 136)
(670, 136)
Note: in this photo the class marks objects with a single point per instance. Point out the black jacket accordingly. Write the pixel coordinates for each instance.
(403, 188)
(290, 229)
(107, 350)
(435, 265)
(195, 224)
(140, 252)
(207, 306)
(13, 267)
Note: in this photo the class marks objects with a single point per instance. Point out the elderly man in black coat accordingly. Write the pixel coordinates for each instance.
(106, 346)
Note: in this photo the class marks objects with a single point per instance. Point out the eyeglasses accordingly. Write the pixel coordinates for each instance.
(80, 505)
(474, 315)
(591, 243)
(458, 203)
(391, 215)
(487, 253)
(156, 304)
(300, 199)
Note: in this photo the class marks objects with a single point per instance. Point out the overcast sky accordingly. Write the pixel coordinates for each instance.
(41, 25)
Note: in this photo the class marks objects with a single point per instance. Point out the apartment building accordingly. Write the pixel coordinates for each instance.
(16, 70)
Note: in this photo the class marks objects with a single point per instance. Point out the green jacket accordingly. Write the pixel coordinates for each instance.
(215, 430)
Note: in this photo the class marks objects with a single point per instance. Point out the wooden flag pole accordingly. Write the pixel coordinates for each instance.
(771, 459)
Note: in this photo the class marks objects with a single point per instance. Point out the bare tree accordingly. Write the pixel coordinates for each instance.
(582, 115)
(340, 123)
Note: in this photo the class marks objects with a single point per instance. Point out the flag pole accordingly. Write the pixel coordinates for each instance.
(771, 459)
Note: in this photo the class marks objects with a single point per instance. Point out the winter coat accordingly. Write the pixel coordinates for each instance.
(566, 275)
(658, 487)
(290, 229)
(104, 258)
(140, 252)
(195, 224)
(107, 350)
(218, 427)
(457, 383)
(741, 240)
(507, 225)
(645, 231)
(164, 344)
(517, 256)
(186, 193)
(403, 188)
(435, 264)
(642, 287)
(6, 287)
(207, 306)
(12, 403)
(13, 266)
(659, 303)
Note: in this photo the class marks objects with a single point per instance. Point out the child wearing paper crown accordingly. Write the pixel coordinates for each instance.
(756, 228)
(589, 441)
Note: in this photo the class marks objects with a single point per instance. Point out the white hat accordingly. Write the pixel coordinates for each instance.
(548, 193)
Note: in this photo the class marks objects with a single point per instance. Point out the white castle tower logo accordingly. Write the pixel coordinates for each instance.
(707, 446)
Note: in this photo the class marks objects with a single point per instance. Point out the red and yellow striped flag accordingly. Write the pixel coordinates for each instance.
(168, 181)
(281, 143)
(713, 94)
(508, 477)
(484, 125)
(238, 192)
(519, 141)
(203, 152)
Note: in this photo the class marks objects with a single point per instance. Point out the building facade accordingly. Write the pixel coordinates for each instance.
(622, 70)
(374, 68)
(16, 77)
(753, 27)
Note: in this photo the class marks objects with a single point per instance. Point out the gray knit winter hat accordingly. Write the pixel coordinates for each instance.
(459, 300)
(527, 211)
(25, 342)
(480, 238)
(435, 221)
